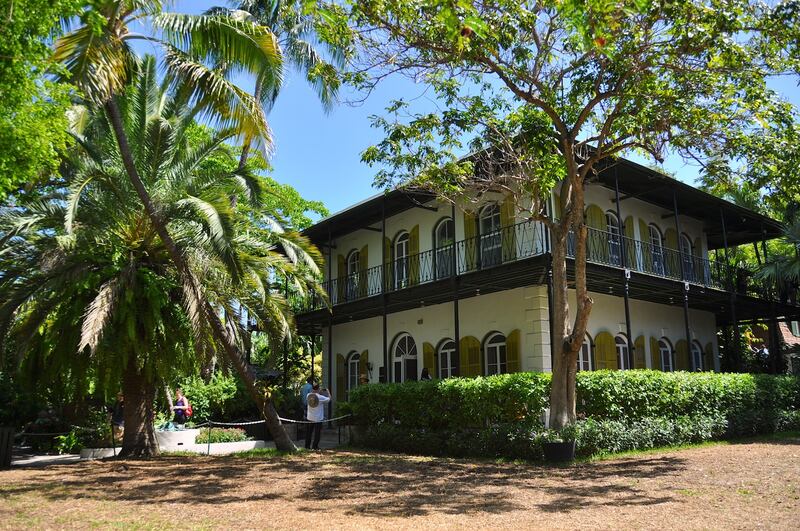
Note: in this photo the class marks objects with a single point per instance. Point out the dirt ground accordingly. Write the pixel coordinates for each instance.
(711, 487)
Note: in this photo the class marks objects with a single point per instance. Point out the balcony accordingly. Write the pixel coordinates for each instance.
(527, 240)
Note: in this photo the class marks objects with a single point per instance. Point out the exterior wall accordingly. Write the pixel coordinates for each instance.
(525, 309)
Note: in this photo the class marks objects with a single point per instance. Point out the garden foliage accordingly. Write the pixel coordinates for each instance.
(617, 410)
(221, 435)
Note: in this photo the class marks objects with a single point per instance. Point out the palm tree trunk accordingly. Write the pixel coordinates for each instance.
(278, 432)
(139, 438)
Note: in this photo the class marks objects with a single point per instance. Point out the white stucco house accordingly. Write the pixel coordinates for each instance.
(463, 290)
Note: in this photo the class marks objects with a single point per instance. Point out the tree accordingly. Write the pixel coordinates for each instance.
(92, 294)
(33, 121)
(100, 61)
(548, 93)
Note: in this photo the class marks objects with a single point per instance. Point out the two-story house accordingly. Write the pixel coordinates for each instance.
(463, 290)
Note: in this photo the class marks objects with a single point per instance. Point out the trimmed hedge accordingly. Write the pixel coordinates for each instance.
(619, 410)
(221, 435)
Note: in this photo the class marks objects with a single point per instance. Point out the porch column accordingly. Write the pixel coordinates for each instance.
(286, 339)
(454, 280)
(386, 377)
(771, 292)
(313, 348)
(330, 315)
(685, 282)
(626, 273)
(730, 277)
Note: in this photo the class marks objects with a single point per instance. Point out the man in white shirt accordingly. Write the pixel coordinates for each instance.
(316, 413)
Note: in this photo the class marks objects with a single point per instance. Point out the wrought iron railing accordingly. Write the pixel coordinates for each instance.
(528, 239)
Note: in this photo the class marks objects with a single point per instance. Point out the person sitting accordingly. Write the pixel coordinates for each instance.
(316, 414)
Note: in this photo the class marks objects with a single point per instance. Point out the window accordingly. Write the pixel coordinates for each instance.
(489, 227)
(665, 352)
(405, 359)
(495, 353)
(623, 352)
(614, 241)
(443, 240)
(585, 355)
(656, 249)
(401, 260)
(697, 356)
(447, 359)
(795, 328)
(687, 257)
(353, 264)
(352, 370)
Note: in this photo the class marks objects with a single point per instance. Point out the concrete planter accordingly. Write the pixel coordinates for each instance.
(175, 441)
(216, 449)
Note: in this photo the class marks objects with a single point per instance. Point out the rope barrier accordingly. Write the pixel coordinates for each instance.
(292, 421)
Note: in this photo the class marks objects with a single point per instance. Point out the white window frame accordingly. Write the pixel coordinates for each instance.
(687, 252)
(489, 225)
(623, 350)
(496, 344)
(656, 248)
(400, 250)
(614, 231)
(353, 375)
(352, 266)
(585, 355)
(665, 353)
(447, 358)
(404, 351)
(697, 356)
(444, 249)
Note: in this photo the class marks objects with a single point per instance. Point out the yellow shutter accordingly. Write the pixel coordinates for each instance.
(470, 357)
(595, 217)
(708, 358)
(341, 282)
(363, 265)
(428, 359)
(363, 365)
(638, 354)
(470, 240)
(513, 351)
(388, 270)
(647, 255)
(597, 242)
(413, 256)
(341, 378)
(605, 351)
(655, 355)
(682, 356)
(557, 206)
(508, 212)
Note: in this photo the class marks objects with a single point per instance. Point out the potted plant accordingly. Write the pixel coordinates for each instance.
(559, 445)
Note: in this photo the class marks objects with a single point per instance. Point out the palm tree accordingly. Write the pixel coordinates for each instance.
(98, 57)
(91, 288)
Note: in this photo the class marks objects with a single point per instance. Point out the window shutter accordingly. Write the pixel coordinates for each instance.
(557, 207)
(655, 355)
(428, 359)
(363, 265)
(470, 240)
(413, 256)
(638, 354)
(595, 217)
(363, 365)
(341, 378)
(513, 351)
(341, 282)
(605, 351)
(470, 357)
(647, 255)
(597, 242)
(708, 359)
(508, 211)
(388, 271)
(682, 356)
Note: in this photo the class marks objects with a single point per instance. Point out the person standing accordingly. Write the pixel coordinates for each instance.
(315, 414)
(118, 418)
(304, 393)
(182, 408)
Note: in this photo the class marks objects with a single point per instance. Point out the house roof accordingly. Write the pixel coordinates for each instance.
(742, 225)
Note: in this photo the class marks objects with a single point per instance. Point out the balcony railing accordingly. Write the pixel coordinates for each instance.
(528, 239)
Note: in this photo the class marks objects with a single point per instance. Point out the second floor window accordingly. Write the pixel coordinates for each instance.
(353, 263)
(490, 241)
(614, 243)
(401, 244)
(688, 258)
(656, 249)
(443, 242)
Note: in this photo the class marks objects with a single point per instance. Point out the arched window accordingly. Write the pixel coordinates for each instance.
(656, 249)
(352, 370)
(665, 352)
(353, 264)
(623, 351)
(405, 358)
(697, 356)
(614, 240)
(447, 359)
(585, 355)
(687, 253)
(495, 354)
(400, 251)
(489, 226)
(444, 237)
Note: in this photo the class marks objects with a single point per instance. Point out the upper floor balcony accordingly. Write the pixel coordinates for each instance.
(528, 240)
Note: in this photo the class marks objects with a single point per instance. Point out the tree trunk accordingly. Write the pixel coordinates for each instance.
(278, 432)
(139, 438)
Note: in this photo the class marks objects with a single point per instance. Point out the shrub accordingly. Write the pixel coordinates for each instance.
(211, 399)
(221, 435)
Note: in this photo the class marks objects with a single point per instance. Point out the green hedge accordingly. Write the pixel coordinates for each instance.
(619, 410)
(221, 435)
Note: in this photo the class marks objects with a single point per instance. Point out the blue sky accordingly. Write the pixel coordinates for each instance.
(319, 153)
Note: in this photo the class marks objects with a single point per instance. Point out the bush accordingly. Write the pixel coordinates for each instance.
(221, 435)
(621, 410)
(211, 399)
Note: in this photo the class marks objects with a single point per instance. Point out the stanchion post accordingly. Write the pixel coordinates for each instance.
(209, 436)
(113, 440)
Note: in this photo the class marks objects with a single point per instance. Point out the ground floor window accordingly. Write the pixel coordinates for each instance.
(405, 359)
(585, 355)
(697, 356)
(495, 353)
(623, 352)
(665, 352)
(447, 359)
(352, 370)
